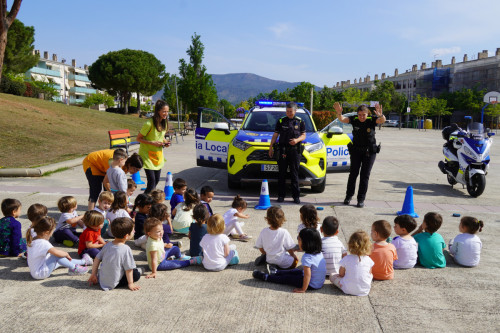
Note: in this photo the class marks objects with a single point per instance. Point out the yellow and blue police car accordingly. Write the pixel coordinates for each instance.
(244, 151)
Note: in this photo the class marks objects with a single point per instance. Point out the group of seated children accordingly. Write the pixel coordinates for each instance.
(353, 273)
(209, 242)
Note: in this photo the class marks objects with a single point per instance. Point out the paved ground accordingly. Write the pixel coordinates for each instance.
(192, 299)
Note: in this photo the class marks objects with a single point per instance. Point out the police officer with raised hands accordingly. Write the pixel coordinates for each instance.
(291, 131)
(362, 150)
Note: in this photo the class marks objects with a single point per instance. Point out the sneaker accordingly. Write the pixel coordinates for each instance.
(78, 270)
(68, 243)
(347, 200)
(261, 260)
(196, 260)
(259, 275)
(88, 259)
(184, 257)
(234, 236)
(360, 204)
(140, 270)
(281, 199)
(245, 238)
(25, 256)
(271, 269)
(296, 200)
(178, 244)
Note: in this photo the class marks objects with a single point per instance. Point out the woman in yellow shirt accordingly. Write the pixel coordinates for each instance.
(152, 139)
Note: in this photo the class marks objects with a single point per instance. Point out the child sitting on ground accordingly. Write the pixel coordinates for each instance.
(383, 253)
(66, 226)
(183, 212)
(197, 229)
(233, 226)
(35, 213)
(115, 175)
(405, 245)
(217, 253)
(309, 218)
(118, 266)
(43, 258)
(159, 197)
(91, 241)
(180, 187)
(104, 203)
(160, 211)
(117, 209)
(466, 247)
(314, 267)
(331, 246)
(158, 259)
(131, 187)
(275, 242)
(12, 243)
(206, 197)
(355, 273)
(430, 243)
(143, 204)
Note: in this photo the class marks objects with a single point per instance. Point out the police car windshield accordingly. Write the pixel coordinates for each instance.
(265, 121)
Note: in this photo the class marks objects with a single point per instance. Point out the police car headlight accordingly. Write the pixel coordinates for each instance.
(314, 147)
(240, 144)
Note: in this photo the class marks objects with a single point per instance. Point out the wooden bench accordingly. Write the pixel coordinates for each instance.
(121, 139)
(187, 127)
(171, 132)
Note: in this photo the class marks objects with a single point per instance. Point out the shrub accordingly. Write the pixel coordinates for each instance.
(323, 118)
(12, 85)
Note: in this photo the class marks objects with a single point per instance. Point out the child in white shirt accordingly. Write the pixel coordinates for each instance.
(115, 176)
(332, 248)
(405, 244)
(217, 253)
(275, 242)
(233, 225)
(183, 212)
(466, 247)
(65, 232)
(118, 209)
(104, 202)
(355, 274)
(309, 218)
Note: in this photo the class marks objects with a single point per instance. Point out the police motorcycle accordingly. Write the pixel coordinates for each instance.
(467, 156)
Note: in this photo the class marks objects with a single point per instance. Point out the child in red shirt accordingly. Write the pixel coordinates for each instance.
(91, 241)
(383, 253)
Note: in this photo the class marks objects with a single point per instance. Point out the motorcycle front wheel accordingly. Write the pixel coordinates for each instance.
(478, 184)
(451, 180)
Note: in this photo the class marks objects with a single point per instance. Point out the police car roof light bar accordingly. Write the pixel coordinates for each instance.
(275, 103)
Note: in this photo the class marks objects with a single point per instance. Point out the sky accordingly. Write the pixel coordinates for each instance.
(322, 42)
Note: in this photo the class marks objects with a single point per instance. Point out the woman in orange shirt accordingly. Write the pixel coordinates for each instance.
(95, 166)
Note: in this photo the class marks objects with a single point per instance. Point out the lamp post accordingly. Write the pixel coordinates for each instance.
(64, 81)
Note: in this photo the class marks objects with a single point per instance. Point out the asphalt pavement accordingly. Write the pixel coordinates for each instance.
(192, 299)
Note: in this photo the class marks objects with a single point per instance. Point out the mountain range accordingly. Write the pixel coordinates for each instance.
(238, 87)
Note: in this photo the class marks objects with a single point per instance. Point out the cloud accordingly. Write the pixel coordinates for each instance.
(444, 51)
(279, 29)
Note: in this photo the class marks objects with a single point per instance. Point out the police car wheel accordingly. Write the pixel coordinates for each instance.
(232, 183)
(320, 188)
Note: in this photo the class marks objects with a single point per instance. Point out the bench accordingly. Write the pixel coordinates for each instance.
(171, 132)
(187, 127)
(121, 139)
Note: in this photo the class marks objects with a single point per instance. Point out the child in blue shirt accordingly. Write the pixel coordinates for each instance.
(198, 229)
(180, 187)
(11, 242)
(430, 243)
(313, 275)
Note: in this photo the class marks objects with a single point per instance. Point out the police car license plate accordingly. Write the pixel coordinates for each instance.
(269, 167)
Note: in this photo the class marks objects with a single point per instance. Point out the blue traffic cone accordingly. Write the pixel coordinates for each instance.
(408, 208)
(264, 200)
(169, 187)
(136, 177)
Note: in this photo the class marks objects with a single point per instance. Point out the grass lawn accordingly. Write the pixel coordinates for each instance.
(36, 132)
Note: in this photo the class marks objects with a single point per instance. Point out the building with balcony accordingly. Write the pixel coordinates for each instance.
(71, 81)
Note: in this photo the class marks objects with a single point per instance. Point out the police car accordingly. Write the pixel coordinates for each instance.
(244, 151)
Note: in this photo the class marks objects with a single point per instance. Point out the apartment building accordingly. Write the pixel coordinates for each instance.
(71, 81)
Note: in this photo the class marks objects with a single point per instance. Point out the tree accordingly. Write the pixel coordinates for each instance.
(302, 93)
(228, 109)
(169, 92)
(420, 106)
(196, 87)
(398, 104)
(465, 99)
(19, 55)
(328, 96)
(354, 97)
(438, 108)
(98, 98)
(383, 93)
(6, 20)
(126, 71)
(493, 110)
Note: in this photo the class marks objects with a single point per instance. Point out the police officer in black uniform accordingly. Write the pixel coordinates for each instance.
(363, 149)
(291, 131)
